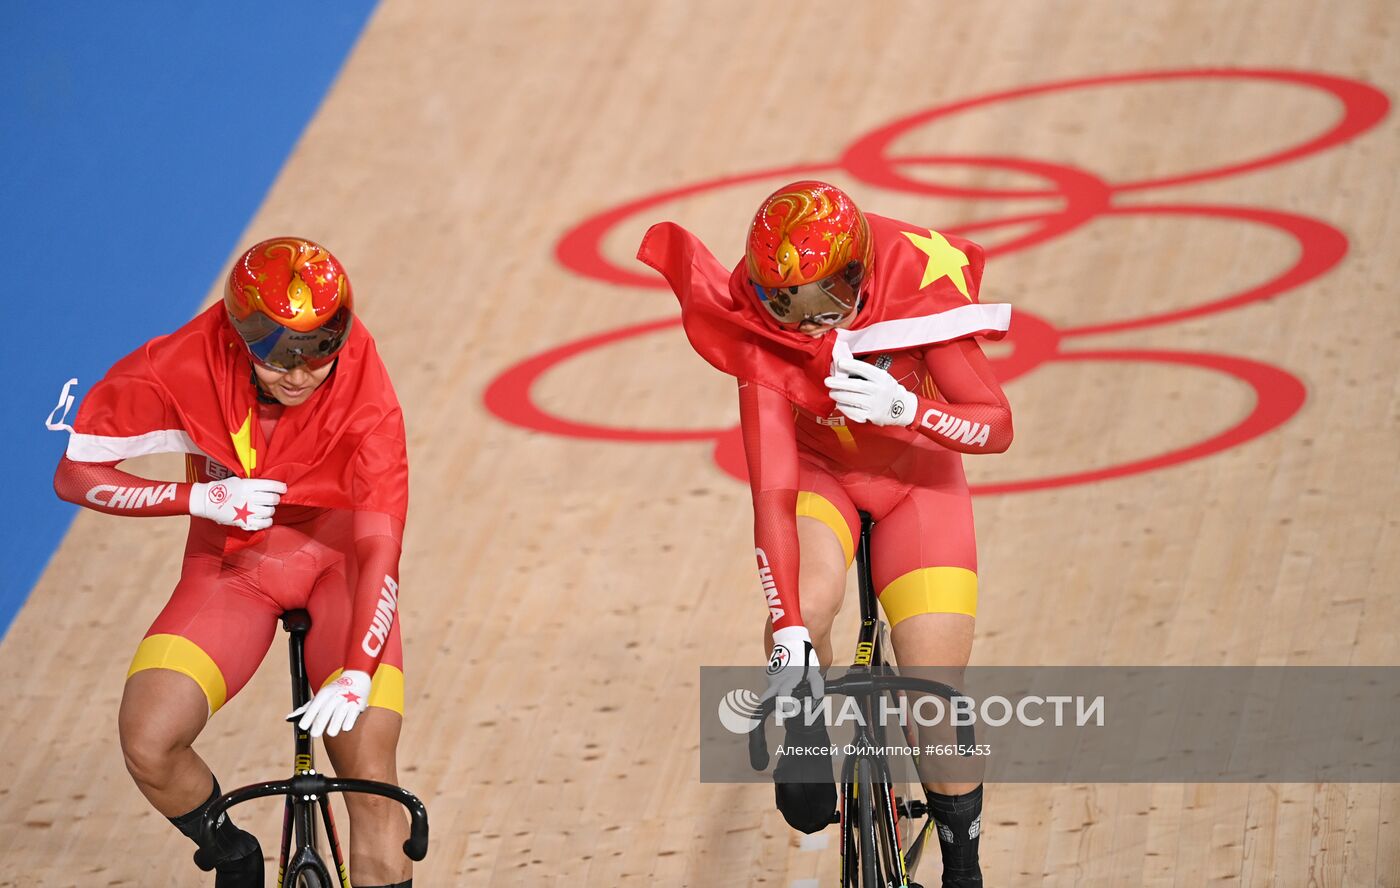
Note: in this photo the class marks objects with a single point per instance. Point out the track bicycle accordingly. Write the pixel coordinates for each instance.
(880, 845)
(306, 790)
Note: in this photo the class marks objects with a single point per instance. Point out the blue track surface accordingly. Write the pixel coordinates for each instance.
(137, 142)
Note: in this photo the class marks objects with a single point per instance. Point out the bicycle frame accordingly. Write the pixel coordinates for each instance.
(871, 851)
(307, 790)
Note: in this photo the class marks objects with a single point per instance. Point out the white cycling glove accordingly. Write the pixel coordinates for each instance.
(866, 393)
(336, 706)
(793, 659)
(237, 502)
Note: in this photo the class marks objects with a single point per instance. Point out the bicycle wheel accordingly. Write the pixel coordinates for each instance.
(867, 835)
(309, 879)
(888, 828)
(905, 793)
(849, 874)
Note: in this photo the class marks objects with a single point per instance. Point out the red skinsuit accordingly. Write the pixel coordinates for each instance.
(333, 562)
(923, 549)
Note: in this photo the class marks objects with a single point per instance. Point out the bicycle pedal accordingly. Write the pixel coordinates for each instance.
(912, 808)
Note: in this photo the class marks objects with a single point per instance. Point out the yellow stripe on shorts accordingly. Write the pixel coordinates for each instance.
(814, 505)
(385, 688)
(179, 654)
(930, 590)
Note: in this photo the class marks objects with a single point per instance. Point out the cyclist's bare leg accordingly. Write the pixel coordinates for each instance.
(162, 712)
(378, 826)
(821, 580)
(939, 640)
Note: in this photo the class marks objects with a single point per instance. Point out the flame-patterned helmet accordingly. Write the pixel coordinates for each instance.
(290, 300)
(809, 253)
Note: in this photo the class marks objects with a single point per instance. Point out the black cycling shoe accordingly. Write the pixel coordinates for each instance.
(244, 871)
(802, 781)
(241, 872)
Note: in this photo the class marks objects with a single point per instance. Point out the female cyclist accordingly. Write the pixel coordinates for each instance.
(827, 433)
(297, 484)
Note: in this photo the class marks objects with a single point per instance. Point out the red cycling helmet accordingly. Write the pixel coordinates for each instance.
(290, 301)
(809, 254)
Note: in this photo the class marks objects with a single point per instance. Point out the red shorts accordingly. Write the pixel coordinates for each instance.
(923, 548)
(222, 616)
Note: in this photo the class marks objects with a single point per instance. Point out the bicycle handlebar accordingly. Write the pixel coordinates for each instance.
(416, 846)
(850, 685)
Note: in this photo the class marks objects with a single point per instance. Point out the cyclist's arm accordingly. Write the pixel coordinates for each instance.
(380, 478)
(770, 448)
(973, 415)
(378, 543)
(103, 487)
(120, 409)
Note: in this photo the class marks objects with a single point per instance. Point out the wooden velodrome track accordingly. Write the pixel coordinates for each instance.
(560, 592)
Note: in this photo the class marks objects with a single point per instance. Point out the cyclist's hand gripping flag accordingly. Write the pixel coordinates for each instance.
(866, 393)
(247, 503)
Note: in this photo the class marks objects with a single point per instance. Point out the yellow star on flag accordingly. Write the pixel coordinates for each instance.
(944, 260)
(243, 445)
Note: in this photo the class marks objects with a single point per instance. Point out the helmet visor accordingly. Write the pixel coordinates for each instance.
(282, 348)
(817, 305)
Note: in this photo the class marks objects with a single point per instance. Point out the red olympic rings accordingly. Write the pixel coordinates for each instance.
(1083, 197)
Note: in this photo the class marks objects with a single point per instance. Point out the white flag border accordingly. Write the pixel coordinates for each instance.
(945, 326)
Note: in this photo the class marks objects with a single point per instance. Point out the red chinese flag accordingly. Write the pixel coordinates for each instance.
(192, 392)
(923, 289)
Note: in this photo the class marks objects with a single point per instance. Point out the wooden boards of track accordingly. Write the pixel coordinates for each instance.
(560, 592)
